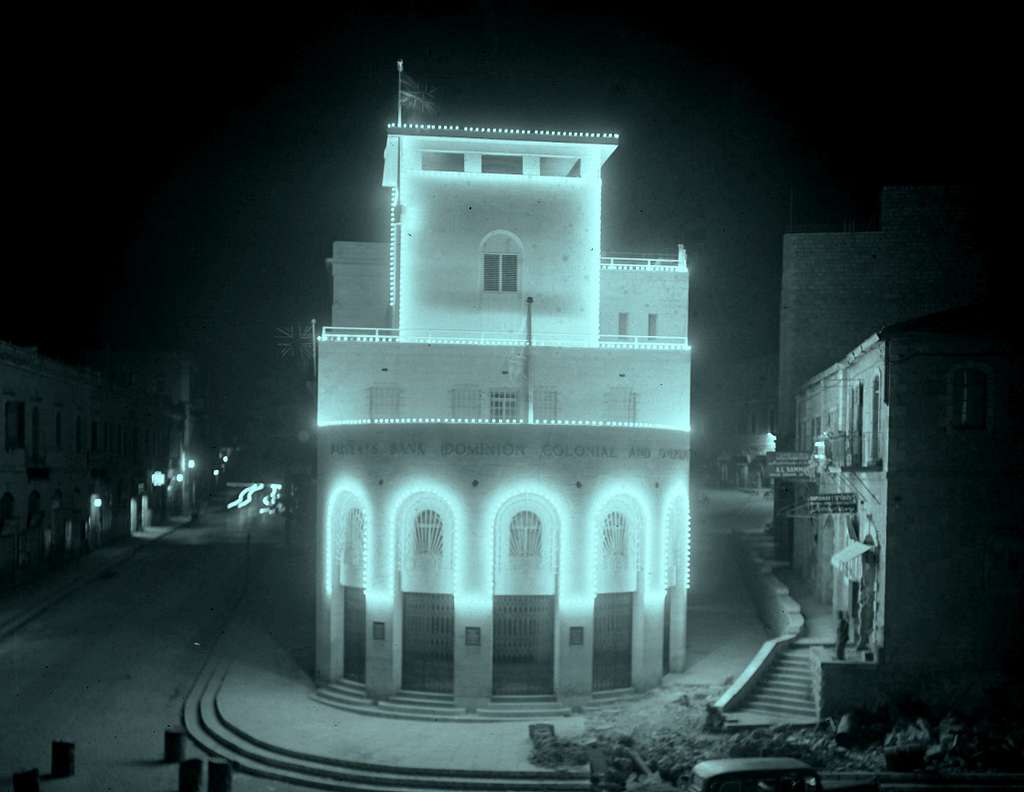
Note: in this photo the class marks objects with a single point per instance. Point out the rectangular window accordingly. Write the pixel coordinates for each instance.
(560, 166)
(384, 401)
(504, 405)
(652, 325)
(443, 161)
(466, 401)
(501, 272)
(623, 324)
(545, 404)
(500, 163)
(58, 434)
(620, 405)
(14, 425)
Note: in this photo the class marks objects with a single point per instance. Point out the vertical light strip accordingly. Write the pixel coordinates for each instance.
(393, 249)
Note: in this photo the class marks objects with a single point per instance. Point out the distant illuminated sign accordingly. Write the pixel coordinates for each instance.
(832, 503)
(245, 496)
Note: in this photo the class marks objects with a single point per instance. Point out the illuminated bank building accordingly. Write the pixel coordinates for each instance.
(504, 420)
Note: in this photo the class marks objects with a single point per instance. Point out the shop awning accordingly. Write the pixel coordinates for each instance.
(848, 559)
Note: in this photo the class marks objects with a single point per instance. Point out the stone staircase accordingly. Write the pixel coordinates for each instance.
(217, 736)
(784, 691)
(416, 705)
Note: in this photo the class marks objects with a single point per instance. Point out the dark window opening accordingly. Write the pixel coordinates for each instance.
(970, 399)
(499, 163)
(560, 166)
(443, 161)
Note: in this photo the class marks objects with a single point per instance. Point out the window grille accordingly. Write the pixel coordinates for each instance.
(501, 272)
(524, 540)
(615, 535)
(545, 404)
(354, 537)
(384, 401)
(429, 536)
(465, 401)
(504, 405)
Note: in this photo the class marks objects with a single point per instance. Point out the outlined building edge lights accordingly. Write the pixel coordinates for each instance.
(473, 130)
(502, 421)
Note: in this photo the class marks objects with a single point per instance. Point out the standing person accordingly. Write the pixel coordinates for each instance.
(842, 635)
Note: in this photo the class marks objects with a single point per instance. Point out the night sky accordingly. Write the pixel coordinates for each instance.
(181, 179)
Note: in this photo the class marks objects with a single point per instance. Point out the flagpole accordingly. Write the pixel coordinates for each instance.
(399, 93)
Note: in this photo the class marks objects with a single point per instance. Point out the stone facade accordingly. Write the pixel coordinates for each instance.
(504, 414)
(77, 457)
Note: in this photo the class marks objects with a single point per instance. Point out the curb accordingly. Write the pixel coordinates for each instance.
(15, 623)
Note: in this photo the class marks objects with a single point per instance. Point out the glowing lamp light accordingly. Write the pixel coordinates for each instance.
(191, 464)
(179, 477)
(224, 459)
(158, 478)
(97, 503)
(216, 472)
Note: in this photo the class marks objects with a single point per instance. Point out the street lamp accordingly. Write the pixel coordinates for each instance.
(191, 464)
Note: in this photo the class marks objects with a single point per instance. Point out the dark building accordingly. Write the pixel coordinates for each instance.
(917, 441)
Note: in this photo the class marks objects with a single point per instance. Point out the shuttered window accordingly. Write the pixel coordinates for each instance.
(501, 272)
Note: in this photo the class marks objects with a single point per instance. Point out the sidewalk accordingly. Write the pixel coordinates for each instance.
(20, 605)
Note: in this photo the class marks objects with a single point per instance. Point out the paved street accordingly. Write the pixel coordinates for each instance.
(723, 632)
(108, 667)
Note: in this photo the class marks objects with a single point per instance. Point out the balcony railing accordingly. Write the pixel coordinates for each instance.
(492, 338)
(643, 264)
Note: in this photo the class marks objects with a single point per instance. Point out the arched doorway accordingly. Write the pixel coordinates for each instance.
(613, 607)
(428, 615)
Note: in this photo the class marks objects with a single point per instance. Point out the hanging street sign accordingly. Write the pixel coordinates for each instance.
(832, 503)
(791, 465)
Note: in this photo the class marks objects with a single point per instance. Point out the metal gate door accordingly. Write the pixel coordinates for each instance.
(524, 645)
(354, 637)
(613, 641)
(428, 642)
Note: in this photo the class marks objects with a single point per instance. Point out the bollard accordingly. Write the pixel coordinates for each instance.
(218, 776)
(174, 745)
(27, 780)
(62, 759)
(190, 775)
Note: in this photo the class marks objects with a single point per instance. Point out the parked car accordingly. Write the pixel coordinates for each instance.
(766, 774)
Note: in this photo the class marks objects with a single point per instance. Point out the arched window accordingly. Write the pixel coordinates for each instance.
(501, 262)
(970, 398)
(354, 523)
(614, 537)
(429, 534)
(524, 537)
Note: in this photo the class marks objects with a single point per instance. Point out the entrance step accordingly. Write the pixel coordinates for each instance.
(217, 736)
(534, 698)
(618, 694)
(418, 698)
(524, 711)
(419, 710)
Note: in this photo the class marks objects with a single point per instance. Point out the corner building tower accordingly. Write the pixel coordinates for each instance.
(504, 418)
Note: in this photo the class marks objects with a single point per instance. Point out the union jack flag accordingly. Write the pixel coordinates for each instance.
(295, 341)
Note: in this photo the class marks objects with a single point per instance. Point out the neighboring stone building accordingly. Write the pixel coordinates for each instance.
(504, 432)
(77, 459)
(930, 253)
(918, 426)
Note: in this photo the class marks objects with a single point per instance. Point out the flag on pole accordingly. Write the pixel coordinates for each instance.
(414, 95)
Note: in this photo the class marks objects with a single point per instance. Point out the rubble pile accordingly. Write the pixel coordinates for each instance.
(551, 751)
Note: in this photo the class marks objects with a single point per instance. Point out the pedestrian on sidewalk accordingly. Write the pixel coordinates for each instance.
(842, 635)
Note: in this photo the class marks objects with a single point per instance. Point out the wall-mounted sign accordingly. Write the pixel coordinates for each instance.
(472, 636)
(832, 503)
(791, 465)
